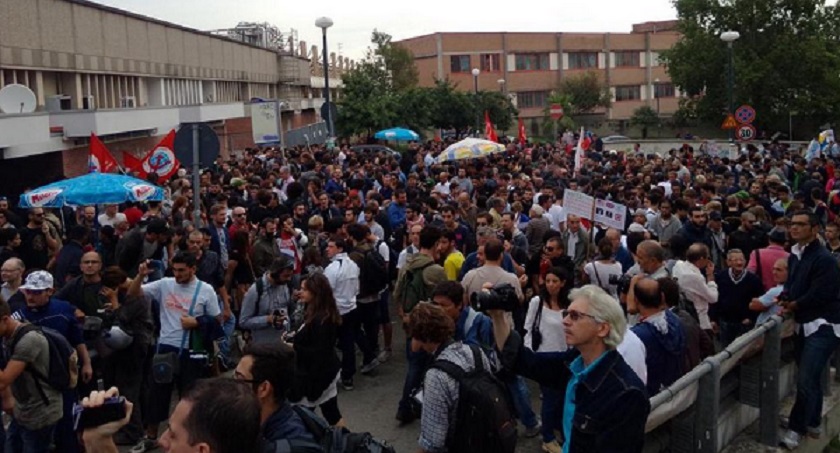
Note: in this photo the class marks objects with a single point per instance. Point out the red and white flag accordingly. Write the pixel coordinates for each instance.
(161, 160)
(100, 159)
(134, 164)
(489, 132)
(522, 137)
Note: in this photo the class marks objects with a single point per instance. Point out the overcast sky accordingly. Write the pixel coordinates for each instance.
(355, 20)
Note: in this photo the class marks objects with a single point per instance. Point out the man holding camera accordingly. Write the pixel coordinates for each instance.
(266, 305)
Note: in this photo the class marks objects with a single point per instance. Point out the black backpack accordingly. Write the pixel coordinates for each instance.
(484, 420)
(63, 373)
(328, 439)
(373, 273)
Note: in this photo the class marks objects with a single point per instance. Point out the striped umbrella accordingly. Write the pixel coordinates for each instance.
(470, 148)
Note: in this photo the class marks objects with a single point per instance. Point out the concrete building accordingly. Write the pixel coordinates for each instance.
(131, 79)
(529, 66)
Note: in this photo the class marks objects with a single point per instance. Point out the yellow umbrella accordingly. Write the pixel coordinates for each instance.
(470, 148)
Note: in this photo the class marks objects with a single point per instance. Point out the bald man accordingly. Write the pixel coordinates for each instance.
(83, 291)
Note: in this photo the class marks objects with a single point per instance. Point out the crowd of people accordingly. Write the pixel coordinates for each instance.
(299, 257)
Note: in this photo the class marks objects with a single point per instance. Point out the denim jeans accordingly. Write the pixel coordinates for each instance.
(224, 342)
(522, 401)
(22, 440)
(729, 331)
(812, 354)
(416, 369)
(550, 413)
(350, 335)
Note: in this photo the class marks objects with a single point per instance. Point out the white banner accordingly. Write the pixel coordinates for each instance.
(613, 215)
(264, 123)
(578, 203)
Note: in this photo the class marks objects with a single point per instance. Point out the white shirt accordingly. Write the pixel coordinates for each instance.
(694, 286)
(633, 352)
(405, 254)
(442, 188)
(111, 221)
(550, 327)
(599, 274)
(175, 300)
(557, 216)
(343, 274)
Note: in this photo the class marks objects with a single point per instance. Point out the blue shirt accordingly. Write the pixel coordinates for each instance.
(58, 315)
(578, 372)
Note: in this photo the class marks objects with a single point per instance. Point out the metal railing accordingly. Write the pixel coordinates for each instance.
(687, 415)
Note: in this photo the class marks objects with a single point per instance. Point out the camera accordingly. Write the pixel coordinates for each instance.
(502, 296)
(621, 282)
(111, 410)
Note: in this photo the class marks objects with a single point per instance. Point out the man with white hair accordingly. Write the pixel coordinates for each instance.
(536, 229)
(611, 392)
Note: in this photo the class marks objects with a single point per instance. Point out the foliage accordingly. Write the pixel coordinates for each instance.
(366, 102)
(562, 124)
(584, 93)
(398, 61)
(787, 58)
(645, 117)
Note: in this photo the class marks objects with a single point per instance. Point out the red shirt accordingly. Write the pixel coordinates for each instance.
(133, 215)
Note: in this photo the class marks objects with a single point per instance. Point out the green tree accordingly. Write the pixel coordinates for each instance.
(550, 125)
(787, 58)
(644, 117)
(451, 108)
(499, 107)
(398, 61)
(367, 103)
(584, 93)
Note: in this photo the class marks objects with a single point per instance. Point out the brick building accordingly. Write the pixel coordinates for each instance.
(528, 66)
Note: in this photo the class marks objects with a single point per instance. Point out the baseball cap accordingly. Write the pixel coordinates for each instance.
(778, 236)
(38, 281)
(640, 212)
(715, 215)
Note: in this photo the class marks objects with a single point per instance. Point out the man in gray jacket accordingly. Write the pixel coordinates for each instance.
(266, 308)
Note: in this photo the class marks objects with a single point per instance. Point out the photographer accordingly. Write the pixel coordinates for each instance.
(266, 305)
(609, 410)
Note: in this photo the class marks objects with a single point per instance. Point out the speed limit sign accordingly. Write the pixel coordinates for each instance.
(745, 132)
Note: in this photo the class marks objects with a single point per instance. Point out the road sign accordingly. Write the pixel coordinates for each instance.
(745, 132)
(556, 111)
(208, 145)
(729, 123)
(745, 114)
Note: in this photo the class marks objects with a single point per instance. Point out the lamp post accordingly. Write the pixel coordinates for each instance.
(475, 73)
(324, 23)
(729, 37)
(501, 85)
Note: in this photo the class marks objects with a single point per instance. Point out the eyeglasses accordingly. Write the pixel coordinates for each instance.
(800, 224)
(548, 249)
(576, 316)
(237, 376)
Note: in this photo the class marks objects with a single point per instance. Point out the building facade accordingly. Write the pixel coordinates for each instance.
(131, 79)
(529, 66)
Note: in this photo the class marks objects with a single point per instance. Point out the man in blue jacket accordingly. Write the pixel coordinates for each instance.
(811, 295)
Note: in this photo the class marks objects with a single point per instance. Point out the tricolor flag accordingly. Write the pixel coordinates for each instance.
(100, 159)
(161, 160)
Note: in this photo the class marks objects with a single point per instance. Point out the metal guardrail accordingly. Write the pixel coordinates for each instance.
(698, 393)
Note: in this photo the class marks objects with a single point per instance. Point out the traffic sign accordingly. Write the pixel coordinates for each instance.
(556, 111)
(745, 114)
(745, 132)
(729, 123)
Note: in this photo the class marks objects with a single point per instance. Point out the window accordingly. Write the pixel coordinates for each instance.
(664, 90)
(532, 99)
(628, 93)
(627, 58)
(491, 62)
(583, 60)
(460, 63)
(532, 62)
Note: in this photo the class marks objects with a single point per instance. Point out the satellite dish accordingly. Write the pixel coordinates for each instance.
(16, 98)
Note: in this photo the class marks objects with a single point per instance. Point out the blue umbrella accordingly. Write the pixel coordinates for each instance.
(92, 188)
(397, 134)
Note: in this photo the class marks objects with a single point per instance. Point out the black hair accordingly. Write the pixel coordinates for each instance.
(225, 414)
(429, 236)
(184, 257)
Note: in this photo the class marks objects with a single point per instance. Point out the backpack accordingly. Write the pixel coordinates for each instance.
(414, 288)
(393, 258)
(63, 371)
(373, 272)
(328, 439)
(484, 420)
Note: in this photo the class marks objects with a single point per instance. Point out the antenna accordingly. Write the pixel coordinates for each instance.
(16, 98)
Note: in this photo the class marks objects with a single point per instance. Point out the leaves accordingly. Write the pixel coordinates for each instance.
(584, 93)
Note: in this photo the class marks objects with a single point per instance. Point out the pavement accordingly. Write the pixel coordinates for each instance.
(372, 404)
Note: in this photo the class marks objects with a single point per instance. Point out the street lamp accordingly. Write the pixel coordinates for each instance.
(475, 73)
(324, 23)
(729, 37)
(501, 85)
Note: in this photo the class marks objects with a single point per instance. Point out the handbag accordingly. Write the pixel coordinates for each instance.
(166, 365)
(536, 335)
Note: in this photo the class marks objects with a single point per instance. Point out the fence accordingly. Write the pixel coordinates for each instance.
(706, 408)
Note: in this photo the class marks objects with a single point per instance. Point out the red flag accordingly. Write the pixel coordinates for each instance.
(134, 164)
(522, 137)
(161, 160)
(583, 143)
(100, 159)
(489, 132)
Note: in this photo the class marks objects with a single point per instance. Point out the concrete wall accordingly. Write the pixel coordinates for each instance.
(80, 36)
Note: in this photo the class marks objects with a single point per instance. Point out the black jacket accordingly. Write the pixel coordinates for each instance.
(814, 283)
(317, 362)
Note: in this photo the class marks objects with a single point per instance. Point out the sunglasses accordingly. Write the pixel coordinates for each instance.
(549, 249)
(576, 316)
